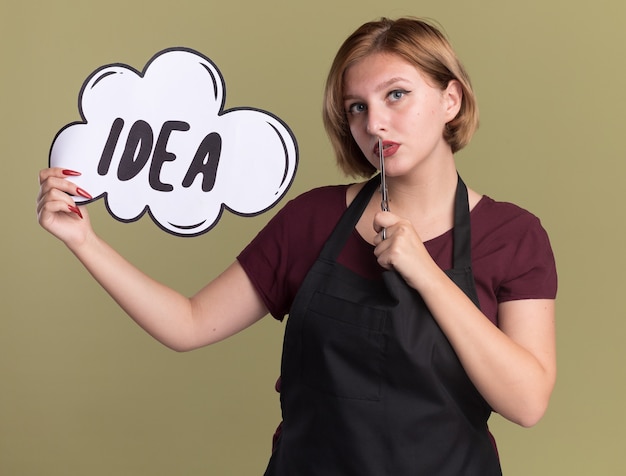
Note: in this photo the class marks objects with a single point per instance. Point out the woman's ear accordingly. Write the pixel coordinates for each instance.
(453, 97)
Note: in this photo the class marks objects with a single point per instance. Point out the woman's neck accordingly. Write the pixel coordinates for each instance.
(424, 194)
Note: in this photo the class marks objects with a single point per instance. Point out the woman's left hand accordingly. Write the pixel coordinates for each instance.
(401, 249)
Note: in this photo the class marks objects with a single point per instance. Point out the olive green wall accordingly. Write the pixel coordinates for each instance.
(85, 392)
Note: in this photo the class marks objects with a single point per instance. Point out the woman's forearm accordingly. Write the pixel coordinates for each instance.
(225, 306)
(162, 312)
(513, 367)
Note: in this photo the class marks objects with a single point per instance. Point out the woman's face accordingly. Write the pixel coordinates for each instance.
(387, 97)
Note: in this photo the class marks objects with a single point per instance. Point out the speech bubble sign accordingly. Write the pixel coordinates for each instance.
(160, 142)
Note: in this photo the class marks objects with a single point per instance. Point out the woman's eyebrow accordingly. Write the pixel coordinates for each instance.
(389, 82)
(382, 86)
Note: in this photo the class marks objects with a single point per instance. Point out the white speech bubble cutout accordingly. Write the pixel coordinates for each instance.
(159, 141)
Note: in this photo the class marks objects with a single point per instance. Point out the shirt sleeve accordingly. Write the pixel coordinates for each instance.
(279, 257)
(531, 273)
(265, 264)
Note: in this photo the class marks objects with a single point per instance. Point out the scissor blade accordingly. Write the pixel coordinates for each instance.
(384, 204)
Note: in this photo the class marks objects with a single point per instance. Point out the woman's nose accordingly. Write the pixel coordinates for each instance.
(376, 121)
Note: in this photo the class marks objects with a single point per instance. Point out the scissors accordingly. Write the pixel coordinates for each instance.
(384, 204)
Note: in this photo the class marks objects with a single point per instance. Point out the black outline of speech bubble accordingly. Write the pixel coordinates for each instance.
(93, 79)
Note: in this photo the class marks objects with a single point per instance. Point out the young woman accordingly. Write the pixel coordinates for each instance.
(406, 327)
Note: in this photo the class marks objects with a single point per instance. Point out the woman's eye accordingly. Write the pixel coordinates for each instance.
(397, 94)
(356, 108)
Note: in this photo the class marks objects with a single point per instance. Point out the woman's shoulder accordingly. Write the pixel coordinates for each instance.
(325, 192)
(498, 225)
(318, 199)
(492, 213)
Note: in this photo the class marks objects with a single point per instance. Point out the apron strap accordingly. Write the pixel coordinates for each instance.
(348, 221)
(462, 238)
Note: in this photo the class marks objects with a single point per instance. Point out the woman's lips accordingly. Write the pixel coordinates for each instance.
(389, 148)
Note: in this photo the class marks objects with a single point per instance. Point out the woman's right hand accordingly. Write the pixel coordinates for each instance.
(56, 210)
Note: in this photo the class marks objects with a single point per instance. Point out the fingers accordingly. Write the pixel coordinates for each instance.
(44, 174)
(56, 202)
(382, 234)
(55, 192)
(395, 240)
(56, 178)
(383, 223)
(57, 211)
(384, 220)
(53, 202)
(383, 250)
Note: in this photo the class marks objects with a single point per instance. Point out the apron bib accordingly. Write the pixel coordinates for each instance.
(370, 385)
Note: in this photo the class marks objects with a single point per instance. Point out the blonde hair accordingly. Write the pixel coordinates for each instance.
(419, 43)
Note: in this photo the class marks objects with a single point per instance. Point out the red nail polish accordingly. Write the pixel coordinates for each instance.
(76, 210)
(82, 193)
(72, 173)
